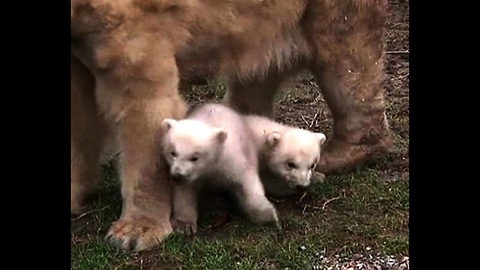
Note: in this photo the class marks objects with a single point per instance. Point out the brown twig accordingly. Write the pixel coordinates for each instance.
(89, 212)
(403, 76)
(328, 201)
(314, 118)
(398, 52)
(304, 120)
(304, 209)
(301, 198)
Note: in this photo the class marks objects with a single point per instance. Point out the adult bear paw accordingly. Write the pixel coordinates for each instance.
(135, 235)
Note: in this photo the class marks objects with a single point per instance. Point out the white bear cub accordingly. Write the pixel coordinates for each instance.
(287, 155)
(213, 145)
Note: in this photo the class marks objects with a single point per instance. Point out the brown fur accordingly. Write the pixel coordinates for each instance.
(89, 130)
(136, 52)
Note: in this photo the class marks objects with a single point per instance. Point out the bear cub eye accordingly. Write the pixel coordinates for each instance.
(173, 153)
(194, 158)
(291, 165)
(312, 166)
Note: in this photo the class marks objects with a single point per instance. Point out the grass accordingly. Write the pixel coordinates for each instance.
(359, 212)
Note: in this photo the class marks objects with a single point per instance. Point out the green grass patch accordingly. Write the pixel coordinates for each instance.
(98, 254)
(344, 215)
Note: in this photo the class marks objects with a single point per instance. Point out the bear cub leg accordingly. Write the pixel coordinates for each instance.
(184, 209)
(252, 199)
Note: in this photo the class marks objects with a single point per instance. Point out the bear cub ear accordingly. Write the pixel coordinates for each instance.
(220, 135)
(321, 137)
(273, 139)
(167, 124)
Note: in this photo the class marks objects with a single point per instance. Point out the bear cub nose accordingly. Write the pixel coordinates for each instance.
(179, 178)
(301, 188)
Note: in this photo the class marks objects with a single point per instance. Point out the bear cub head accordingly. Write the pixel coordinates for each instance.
(190, 148)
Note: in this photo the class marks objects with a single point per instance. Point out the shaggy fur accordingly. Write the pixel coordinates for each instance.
(135, 52)
(287, 155)
(214, 146)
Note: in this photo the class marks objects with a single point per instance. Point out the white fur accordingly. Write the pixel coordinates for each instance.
(288, 155)
(213, 144)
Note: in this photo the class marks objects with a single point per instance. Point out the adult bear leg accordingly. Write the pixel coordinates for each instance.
(348, 62)
(254, 96)
(88, 133)
(137, 105)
